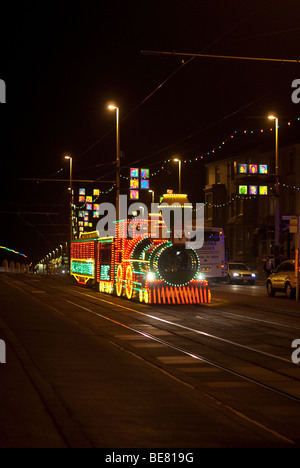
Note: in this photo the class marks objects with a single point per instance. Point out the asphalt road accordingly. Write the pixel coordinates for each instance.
(85, 369)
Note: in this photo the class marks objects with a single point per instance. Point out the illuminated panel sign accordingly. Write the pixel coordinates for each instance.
(263, 169)
(134, 195)
(145, 173)
(82, 191)
(243, 168)
(89, 199)
(145, 184)
(134, 184)
(243, 189)
(96, 193)
(253, 190)
(105, 272)
(134, 173)
(81, 199)
(263, 190)
(82, 268)
(253, 169)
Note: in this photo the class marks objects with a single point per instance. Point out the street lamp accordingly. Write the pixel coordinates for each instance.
(277, 208)
(71, 206)
(179, 167)
(112, 107)
(71, 195)
(152, 192)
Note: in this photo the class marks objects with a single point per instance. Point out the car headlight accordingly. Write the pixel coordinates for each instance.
(236, 274)
(253, 275)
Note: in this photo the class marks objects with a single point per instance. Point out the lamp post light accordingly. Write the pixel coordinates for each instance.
(152, 193)
(277, 207)
(112, 107)
(71, 196)
(179, 167)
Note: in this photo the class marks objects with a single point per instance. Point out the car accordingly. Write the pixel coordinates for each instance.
(237, 272)
(283, 279)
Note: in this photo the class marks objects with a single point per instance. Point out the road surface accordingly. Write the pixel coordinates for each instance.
(85, 369)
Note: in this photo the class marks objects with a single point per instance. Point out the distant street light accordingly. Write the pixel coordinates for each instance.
(112, 107)
(179, 167)
(277, 208)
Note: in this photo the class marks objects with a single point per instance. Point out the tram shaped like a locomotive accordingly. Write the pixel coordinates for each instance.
(139, 267)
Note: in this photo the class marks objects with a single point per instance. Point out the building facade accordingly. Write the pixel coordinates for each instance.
(240, 197)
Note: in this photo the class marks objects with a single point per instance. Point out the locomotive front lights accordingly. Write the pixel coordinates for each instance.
(150, 276)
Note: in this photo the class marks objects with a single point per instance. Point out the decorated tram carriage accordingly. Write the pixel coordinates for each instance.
(139, 267)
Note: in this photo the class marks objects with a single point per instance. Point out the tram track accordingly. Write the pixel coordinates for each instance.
(127, 312)
(162, 322)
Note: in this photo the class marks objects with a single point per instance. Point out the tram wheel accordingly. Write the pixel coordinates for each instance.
(119, 281)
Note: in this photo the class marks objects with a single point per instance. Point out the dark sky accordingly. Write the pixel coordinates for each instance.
(64, 61)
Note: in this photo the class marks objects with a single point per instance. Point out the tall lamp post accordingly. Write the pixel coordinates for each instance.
(179, 167)
(112, 107)
(277, 208)
(71, 206)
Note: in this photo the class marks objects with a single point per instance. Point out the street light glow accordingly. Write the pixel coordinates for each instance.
(272, 117)
(112, 107)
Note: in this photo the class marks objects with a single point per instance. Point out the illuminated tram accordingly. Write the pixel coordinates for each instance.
(139, 267)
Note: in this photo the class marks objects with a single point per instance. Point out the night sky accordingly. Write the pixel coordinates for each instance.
(64, 61)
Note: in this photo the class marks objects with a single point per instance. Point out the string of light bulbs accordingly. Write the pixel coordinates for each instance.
(216, 147)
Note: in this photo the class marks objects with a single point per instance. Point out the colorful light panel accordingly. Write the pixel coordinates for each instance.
(105, 272)
(145, 173)
(263, 169)
(243, 168)
(134, 195)
(253, 190)
(89, 199)
(243, 190)
(134, 172)
(253, 169)
(96, 193)
(263, 190)
(89, 207)
(134, 184)
(81, 199)
(82, 191)
(145, 184)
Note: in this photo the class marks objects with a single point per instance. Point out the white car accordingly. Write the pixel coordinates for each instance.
(237, 272)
